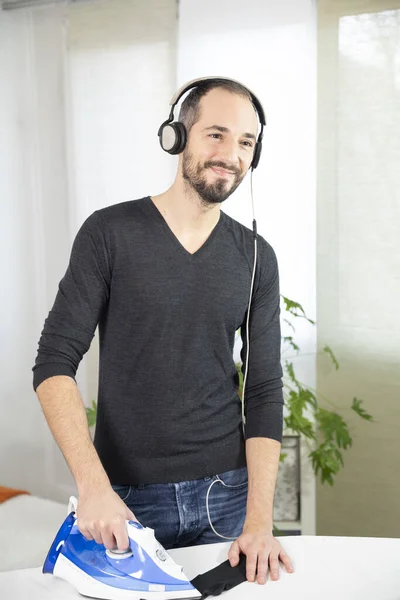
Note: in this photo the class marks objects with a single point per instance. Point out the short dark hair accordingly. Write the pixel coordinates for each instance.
(190, 110)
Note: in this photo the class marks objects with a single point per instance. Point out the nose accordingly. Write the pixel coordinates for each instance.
(229, 154)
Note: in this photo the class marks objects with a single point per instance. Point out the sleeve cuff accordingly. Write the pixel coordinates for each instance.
(42, 372)
(266, 421)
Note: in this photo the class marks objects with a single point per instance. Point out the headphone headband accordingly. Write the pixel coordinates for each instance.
(195, 82)
(173, 135)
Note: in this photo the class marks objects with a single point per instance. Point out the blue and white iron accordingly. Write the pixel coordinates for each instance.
(144, 572)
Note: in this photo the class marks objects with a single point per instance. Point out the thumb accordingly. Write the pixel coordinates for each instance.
(233, 554)
(129, 515)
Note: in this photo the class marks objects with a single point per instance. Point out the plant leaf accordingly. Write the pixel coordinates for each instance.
(356, 406)
(291, 305)
(289, 323)
(240, 374)
(296, 420)
(290, 370)
(91, 417)
(328, 460)
(333, 427)
(91, 414)
(289, 339)
(328, 350)
(295, 309)
(308, 397)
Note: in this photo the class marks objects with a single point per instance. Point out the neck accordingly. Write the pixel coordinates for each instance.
(182, 206)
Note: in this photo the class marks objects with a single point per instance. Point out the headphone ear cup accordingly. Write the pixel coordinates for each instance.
(256, 156)
(172, 137)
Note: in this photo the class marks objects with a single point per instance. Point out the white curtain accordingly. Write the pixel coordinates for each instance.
(359, 255)
(83, 87)
(35, 228)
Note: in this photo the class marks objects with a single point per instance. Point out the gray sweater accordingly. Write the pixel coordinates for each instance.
(168, 407)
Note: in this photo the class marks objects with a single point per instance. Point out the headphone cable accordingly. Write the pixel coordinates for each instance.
(248, 309)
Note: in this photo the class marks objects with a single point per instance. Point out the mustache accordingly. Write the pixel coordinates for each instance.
(221, 165)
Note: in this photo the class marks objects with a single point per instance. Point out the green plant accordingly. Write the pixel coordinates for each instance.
(91, 414)
(325, 431)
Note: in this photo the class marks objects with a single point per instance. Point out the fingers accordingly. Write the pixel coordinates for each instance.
(84, 531)
(121, 533)
(260, 563)
(262, 566)
(89, 531)
(274, 566)
(263, 554)
(286, 561)
(251, 565)
(109, 534)
(129, 515)
(233, 554)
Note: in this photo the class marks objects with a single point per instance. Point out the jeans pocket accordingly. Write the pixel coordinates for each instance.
(123, 491)
(235, 479)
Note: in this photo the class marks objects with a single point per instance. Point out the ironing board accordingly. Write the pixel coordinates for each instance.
(333, 568)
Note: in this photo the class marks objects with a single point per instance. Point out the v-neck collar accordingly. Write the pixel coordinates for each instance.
(170, 234)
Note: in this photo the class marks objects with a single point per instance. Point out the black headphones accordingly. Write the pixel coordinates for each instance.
(173, 136)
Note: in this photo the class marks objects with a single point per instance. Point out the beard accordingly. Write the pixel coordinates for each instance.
(196, 177)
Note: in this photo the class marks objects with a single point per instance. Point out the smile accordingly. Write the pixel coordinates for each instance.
(220, 171)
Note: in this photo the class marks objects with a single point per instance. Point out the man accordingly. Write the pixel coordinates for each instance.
(167, 280)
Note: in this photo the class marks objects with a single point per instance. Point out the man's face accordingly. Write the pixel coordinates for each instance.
(221, 145)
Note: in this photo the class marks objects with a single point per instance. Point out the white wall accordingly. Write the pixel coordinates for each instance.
(271, 48)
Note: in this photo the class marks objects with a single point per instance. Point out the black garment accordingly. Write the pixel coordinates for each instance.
(221, 579)
(168, 408)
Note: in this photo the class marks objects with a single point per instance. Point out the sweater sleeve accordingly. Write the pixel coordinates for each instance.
(82, 296)
(263, 394)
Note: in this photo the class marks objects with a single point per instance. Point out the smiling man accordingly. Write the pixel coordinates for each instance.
(204, 158)
(167, 278)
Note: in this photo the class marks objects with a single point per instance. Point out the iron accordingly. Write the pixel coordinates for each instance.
(145, 571)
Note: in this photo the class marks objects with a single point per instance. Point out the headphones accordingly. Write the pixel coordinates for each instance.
(173, 136)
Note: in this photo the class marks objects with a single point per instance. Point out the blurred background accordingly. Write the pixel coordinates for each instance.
(84, 86)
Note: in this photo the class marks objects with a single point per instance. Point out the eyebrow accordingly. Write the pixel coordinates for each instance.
(250, 136)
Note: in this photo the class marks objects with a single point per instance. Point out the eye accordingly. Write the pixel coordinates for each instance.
(249, 144)
(216, 134)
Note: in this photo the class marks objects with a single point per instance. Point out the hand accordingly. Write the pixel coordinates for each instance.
(101, 517)
(261, 549)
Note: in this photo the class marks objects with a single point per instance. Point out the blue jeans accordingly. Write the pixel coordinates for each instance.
(177, 511)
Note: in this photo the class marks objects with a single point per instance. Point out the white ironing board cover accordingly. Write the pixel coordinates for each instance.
(328, 568)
